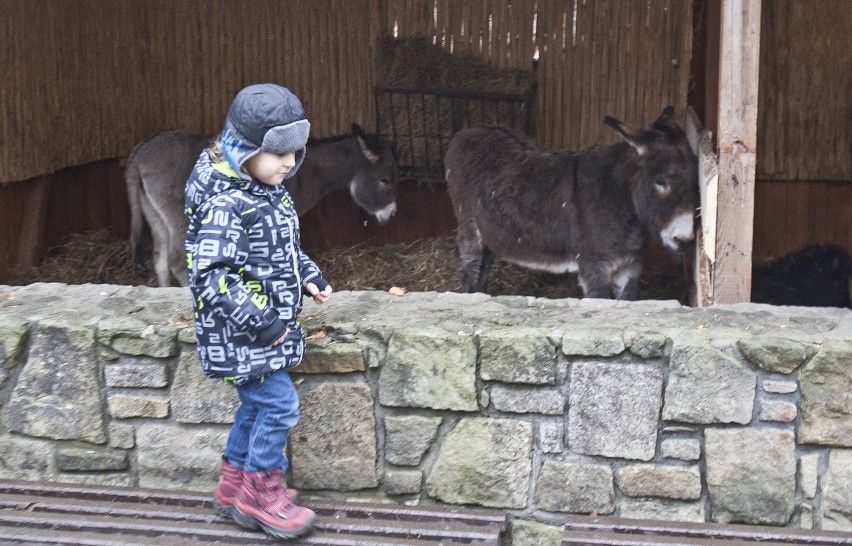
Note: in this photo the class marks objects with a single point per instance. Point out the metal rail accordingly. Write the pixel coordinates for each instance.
(50, 513)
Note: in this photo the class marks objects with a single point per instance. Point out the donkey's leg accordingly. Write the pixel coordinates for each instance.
(595, 279)
(177, 261)
(161, 263)
(471, 254)
(160, 238)
(626, 280)
(485, 269)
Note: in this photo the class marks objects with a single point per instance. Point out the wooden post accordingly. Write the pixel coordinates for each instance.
(739, 54)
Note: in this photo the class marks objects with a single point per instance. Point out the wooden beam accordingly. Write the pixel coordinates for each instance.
(739, 56)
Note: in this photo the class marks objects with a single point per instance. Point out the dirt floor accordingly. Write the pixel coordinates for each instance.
(425, 265)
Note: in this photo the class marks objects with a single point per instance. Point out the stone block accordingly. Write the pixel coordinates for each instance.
(533, 533)
(517, 356)
(665, 481)
(809, 474)
(602, 342)
(614, 409)
(484, 461)
(751, 475)
(196, 398)
(776, 355)
(837, 497)
(332, 357)
(337, 418)
(551, 437)
(133, 336)
(402, 482)
(58, 392)
(408, 437)
(778, 411)
(122, 435)
(682, 449)
(662, 510)
(707, 386)
(24, 459)
(179, 457)
(81, 459)
(580, 488)
(126, 406)
(12, 337)
(136, 375)
(646, 344)
(826, 412)
(775, 386)
(515, 399)
(429, 368)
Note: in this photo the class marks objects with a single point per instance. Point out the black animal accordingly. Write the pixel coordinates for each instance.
(815, 276)
(589, 212)
(158, 167)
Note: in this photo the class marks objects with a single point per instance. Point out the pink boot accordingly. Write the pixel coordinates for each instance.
(263, 502)
(229, 487)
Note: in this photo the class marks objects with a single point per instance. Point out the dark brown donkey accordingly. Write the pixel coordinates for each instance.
(589, 212)
(157, 170)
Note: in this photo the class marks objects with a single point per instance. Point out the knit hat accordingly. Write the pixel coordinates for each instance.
(264, 117)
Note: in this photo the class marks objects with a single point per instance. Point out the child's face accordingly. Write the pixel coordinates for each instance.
(270, 168)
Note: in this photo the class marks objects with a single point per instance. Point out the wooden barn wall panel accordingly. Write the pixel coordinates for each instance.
(624, 58)
(85, 81)
(805, 99)
(789, 215)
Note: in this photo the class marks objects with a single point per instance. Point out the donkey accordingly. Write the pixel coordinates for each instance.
(588, 212)
(157, 170)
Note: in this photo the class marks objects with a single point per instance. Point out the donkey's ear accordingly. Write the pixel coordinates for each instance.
(637, 138)
(667, 120)
(366, 143)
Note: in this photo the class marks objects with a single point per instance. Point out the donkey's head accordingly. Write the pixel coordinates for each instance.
(665, 185)
(374, 185)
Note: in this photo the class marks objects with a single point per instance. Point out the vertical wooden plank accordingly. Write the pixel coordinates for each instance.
(738, 77)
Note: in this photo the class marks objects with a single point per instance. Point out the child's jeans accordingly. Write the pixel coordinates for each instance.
(268, 410)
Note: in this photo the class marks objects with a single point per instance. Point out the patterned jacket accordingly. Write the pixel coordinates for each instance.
(247, 272)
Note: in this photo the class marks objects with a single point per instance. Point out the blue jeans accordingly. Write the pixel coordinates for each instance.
(269, 408)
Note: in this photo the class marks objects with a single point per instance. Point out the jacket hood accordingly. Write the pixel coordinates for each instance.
(264, 117)
(214, 177)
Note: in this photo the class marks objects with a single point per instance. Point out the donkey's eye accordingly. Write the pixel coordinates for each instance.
(662, 186)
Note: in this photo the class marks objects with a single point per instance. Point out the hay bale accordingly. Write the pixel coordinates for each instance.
(421, 124)
(416, 62)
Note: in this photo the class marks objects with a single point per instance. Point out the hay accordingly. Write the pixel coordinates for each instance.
(422, 266)
(95, 257)
(416, 62)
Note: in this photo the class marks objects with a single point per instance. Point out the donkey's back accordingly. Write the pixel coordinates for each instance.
(156, 173)
(589, 212)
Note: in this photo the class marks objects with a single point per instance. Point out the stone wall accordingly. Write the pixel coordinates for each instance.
(537, 407)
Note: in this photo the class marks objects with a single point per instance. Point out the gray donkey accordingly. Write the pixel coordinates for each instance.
(589, 212)
(158, 167)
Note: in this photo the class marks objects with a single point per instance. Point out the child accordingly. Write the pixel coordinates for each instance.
(247, 274)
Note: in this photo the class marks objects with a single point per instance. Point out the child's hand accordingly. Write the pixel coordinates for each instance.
(319, 297)
(281, 339)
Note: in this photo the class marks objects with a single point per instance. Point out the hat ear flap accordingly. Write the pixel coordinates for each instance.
(300, 157)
